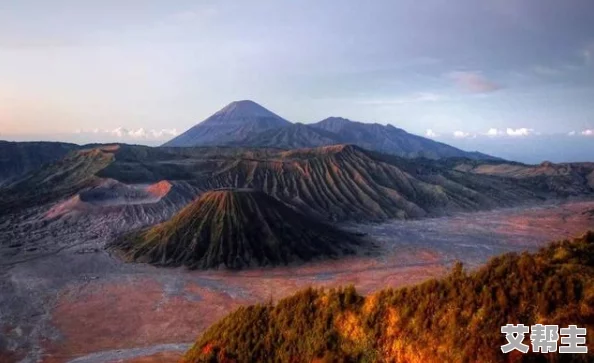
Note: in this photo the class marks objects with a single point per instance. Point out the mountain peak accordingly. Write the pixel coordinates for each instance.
(336, 124)
(231, 124)
(244, 108)
(341, 121)
(337, 119)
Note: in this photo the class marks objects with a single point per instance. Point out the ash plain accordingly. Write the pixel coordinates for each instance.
(65, 298)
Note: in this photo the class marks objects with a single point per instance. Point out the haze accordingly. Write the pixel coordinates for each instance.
(512, 78)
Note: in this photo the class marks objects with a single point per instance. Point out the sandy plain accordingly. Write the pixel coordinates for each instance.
(70, 300)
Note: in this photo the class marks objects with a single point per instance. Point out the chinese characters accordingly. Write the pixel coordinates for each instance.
(544, 338)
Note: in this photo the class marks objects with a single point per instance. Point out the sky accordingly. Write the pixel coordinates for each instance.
(497, 75)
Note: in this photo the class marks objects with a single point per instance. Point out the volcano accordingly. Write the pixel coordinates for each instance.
(236, 228)
(234, 123)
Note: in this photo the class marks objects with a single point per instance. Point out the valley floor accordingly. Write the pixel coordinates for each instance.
(76, 303)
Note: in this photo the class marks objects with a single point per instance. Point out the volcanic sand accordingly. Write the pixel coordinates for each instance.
(92, 307)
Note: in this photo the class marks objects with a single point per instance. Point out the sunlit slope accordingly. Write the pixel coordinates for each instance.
(454, 319)
(236, 229)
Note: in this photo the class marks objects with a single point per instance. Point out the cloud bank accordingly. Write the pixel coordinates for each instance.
(519, 132)
(134, 134)
(431, 134)
(509, 133)
(461, 134)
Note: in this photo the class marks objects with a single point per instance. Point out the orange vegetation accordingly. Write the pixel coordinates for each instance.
(454, 319)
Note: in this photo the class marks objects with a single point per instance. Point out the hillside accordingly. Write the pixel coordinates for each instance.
(236, 229)
(233, 123)
(19, 158)
(293, 137)
(453, 319)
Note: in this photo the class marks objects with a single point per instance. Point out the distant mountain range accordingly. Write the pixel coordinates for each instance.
(245, 123)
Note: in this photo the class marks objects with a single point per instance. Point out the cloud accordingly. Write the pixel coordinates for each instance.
(124, 133)
(163, 133)
(473, 82)
(519, 132)
(430, 133)
(120, 131)
(414, 98)
(588, 132)
(494, 132)
(138, 133)
(571, 133)
(461, 134)
(523, 131)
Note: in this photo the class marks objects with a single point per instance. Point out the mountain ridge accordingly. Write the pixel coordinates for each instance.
(336, 182)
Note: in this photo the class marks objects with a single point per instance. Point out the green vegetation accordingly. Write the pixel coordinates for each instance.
(453, 319)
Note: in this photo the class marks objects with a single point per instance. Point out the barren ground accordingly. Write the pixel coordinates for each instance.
(68, 300)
